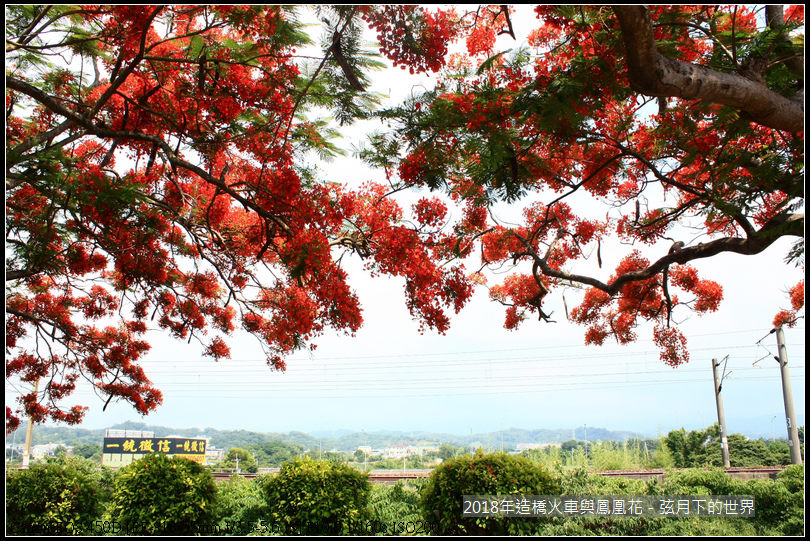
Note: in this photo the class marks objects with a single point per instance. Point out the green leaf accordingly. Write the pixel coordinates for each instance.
(196, 45)
(489, 63)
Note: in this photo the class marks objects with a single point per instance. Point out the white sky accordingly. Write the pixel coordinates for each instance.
(479, 376)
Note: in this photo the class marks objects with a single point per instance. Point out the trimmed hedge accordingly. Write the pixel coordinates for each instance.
(62, 495)
(158, 494)
(316, 497)
(492, 474)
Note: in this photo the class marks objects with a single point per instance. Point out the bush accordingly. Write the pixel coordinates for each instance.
(395, 509)
(318, 497)
(581, 483)
(704, 526)
(780, 504)
(60, 496)
(494, 474)
(792, 478)
(701, 482)
(159, 494)
(241, 505)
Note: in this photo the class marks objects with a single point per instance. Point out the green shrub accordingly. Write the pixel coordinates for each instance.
(394, 509)
(494, 474)
(241, 505)
(700, 482)
(780, 503)
(59, 496)
(703, 526)
(318, 497)
(792, 478)
(580, 482)
(159, 494)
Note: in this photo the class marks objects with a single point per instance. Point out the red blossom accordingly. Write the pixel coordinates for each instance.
(186, 199)
(672, 344)
(218, 349)
(789, 318)
(411, 36)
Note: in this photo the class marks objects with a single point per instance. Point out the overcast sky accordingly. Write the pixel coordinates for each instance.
(481, 377)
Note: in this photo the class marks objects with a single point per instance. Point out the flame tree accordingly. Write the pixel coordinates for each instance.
(158, 172)
(659, 117)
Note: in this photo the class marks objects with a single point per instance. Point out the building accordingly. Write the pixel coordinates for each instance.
(400, 451)
(38, 452)
(214, 455)
(520, 447)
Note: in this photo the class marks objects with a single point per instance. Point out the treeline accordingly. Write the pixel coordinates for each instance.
(678, 449)
(158, 495)
(225, 439)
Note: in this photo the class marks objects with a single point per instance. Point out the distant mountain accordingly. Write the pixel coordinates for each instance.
(339, 433)
(342, 440)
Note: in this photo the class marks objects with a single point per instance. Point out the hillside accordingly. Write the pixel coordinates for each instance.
(348, 441)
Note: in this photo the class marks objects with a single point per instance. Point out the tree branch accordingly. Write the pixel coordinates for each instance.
(653, 74)
(35, 140)
(783, 225)
(104, 132)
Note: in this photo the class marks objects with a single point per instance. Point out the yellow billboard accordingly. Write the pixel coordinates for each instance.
(121, 451)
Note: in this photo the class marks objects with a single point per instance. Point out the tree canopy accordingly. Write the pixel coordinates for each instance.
(160, 171)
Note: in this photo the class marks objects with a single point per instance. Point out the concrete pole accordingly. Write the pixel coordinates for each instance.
(721, 417)
(29, 434)
(586, 446)
(790, 412)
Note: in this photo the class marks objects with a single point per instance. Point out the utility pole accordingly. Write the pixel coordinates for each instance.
(790, 412)
(365, 451)
(586, 446)
(574, 439)
(14, 444)
(721, 417)
(29, 433)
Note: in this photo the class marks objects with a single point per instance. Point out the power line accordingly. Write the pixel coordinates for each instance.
(504, 382)
(436, 377)
(472, 391)
(300, 365)
(486, 373)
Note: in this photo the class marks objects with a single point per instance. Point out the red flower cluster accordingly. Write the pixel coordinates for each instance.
(172, 188)
(789, 318)
(414, 38)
